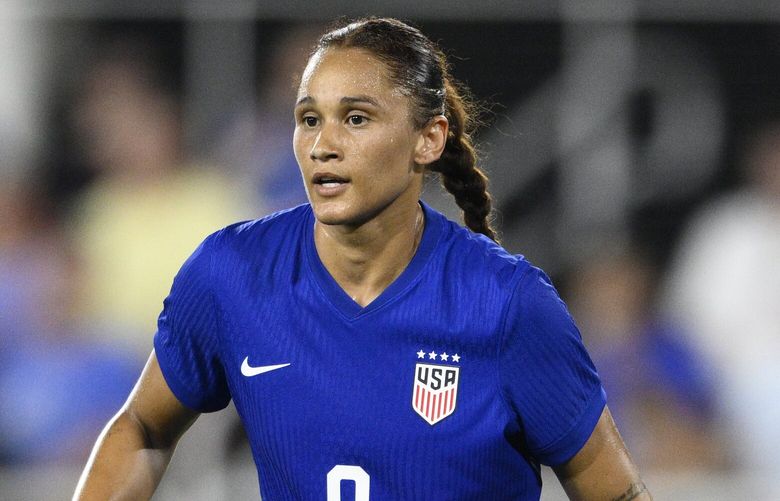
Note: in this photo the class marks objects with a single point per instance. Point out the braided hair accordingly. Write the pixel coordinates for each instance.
(420, 70)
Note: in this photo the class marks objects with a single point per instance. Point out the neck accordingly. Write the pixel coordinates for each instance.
(365, 260)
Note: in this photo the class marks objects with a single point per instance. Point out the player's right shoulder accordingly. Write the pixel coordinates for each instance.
(270, 230)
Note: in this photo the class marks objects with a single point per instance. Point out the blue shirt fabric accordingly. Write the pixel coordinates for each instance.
(522, 389)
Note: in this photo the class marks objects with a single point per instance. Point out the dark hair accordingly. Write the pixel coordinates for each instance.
(420, 69)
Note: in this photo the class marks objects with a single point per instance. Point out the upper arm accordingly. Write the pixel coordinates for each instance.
(135, 447)
(602, 469)
(187, 344)
(554, 390)
(547, 377)
(154, 407)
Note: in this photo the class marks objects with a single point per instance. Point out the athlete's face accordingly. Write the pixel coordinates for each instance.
(355, 143)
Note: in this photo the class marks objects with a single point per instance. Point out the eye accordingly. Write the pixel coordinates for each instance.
(357, 119)
(310, 121)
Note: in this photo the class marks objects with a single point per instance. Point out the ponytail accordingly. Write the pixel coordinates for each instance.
(457, 167)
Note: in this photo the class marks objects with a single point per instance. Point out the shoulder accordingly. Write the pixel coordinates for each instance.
(272, 230)
(258, 247)
(474, 255)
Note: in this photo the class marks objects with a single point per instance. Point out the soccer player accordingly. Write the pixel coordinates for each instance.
(371, 345)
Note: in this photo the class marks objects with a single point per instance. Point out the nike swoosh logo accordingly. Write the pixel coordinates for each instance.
(249, 371)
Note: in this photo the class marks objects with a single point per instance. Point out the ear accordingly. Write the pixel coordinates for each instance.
(431, 141)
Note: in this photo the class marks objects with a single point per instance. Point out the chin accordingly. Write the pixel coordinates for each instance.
(335, 213)
(332, 213)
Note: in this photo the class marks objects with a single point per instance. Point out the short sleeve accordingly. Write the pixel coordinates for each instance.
(187, 342)
(547, 377)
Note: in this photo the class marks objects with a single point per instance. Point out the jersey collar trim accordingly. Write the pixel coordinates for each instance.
(340, 299)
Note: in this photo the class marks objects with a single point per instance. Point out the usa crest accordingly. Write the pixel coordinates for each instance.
(435, 392)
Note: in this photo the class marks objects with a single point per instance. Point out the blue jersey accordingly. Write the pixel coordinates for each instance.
(463, 376)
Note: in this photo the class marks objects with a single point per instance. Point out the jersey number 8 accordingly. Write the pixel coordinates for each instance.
(345, 472)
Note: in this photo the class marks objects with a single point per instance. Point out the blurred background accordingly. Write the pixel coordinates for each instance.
(634, 154)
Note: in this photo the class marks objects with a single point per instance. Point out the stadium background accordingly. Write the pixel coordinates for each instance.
(633, 149)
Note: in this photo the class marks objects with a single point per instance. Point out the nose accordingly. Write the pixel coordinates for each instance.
(326, 146)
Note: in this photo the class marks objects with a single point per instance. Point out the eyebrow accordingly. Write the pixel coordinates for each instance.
(360, 99)
(304, 100)
(344, 100)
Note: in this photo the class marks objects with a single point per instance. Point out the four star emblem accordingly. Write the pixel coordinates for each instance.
(444, 357)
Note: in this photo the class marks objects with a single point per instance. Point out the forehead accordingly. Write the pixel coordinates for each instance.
(346, 71)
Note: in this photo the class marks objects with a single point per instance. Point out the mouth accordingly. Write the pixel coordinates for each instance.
(328, 180)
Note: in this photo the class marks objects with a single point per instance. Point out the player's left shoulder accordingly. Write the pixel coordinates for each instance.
(482, 257)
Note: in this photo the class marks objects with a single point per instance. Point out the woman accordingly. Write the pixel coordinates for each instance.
(367, 341)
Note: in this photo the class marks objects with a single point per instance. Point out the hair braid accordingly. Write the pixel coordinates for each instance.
(457, 167)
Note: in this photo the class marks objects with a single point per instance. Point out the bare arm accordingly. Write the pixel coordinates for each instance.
(602, 469)
(134, 449)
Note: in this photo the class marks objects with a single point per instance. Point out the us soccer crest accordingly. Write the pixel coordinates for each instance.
(435, 387)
